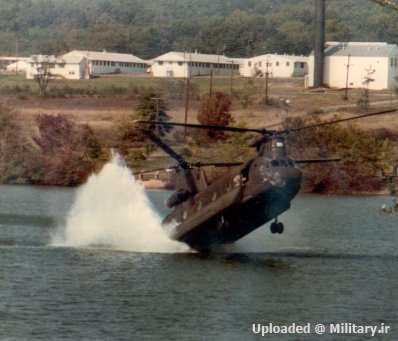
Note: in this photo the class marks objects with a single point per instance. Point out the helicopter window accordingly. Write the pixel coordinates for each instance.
(199, 205)
(291, 163)
(284, 163)
(185, 215)
(214, 197)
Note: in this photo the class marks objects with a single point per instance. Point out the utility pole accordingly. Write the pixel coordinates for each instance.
(211, 83)
(16, 56)
(157, 99)
(249, 43)
(232, 75)
(319, 53)
(266, 80)
(187, 94)
(346, 81)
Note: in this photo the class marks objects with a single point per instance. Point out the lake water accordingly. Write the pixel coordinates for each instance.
(337, 262)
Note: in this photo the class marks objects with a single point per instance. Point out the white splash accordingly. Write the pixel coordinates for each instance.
(112, 210)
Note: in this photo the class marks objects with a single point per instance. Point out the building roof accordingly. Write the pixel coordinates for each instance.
(40, 58)
(105, 56)
(195, 57)
(281, 56)
(11, 59)
(359, 49)
(72, 59)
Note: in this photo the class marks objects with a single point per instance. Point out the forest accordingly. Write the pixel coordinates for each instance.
(237, 28)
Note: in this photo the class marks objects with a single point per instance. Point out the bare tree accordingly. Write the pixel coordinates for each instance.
(43, 65)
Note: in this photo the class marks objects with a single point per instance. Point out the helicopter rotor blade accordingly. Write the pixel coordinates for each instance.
(210, 127)
(183, 164)
(317, 160)
(217, 164)
(387, 111)
(153, 170)
(265, 131)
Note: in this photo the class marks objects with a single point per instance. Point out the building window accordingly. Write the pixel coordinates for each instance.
(302, 65)
(249, 63)
(277, 63)
(287, 63)
(160, 62)
(180, 63)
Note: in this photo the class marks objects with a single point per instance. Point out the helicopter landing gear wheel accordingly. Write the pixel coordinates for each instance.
(277, 227)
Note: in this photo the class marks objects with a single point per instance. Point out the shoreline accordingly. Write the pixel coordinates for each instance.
(162, 185)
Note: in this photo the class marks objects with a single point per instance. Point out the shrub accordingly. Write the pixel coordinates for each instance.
(215, 110)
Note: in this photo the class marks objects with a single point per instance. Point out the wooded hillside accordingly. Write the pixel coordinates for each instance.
(238, 28)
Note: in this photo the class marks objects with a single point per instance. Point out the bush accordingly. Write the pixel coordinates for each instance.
(215, 110)
(66, 153)
(363, 157)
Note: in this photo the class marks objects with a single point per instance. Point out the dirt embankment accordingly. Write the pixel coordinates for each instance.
(101, 113)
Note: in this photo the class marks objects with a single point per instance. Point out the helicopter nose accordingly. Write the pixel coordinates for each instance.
(287, 176)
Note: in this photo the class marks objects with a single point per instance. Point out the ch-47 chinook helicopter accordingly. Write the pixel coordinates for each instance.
(251, 194)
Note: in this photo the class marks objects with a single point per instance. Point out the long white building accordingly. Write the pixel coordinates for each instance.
(358, 64)
(87, 64)
(184, 64)
(276, 65)
(98, 63)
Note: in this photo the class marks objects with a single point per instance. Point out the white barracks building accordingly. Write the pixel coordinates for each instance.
(351, 64)
(276, 65)
(108, 62)
(87, 64)
(184, 64)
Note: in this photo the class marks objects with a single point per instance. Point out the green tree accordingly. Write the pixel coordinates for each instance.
(43, 64)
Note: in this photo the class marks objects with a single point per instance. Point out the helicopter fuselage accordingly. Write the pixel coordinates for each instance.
(236, 204)
(206, 215)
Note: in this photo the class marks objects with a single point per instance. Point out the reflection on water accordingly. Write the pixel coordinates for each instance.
(336, 262)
